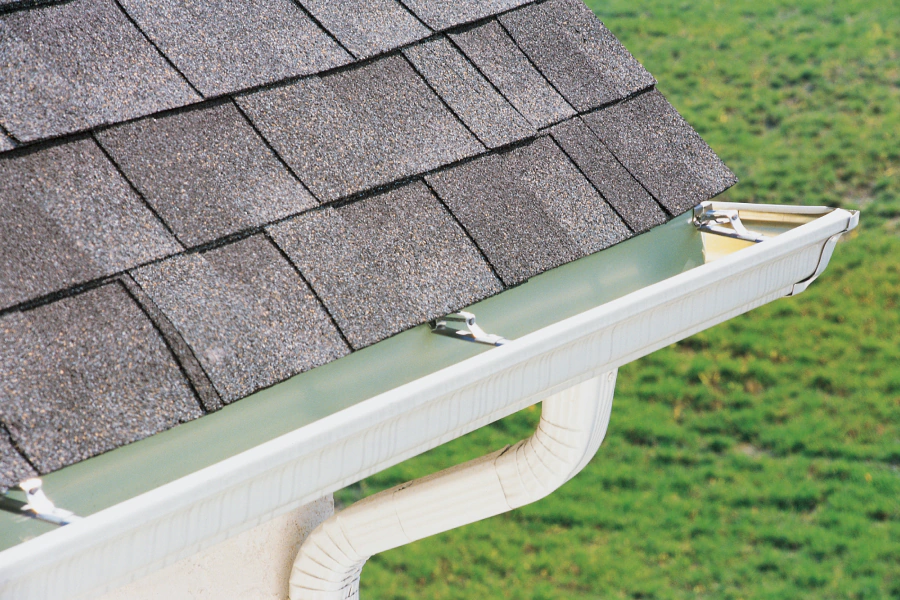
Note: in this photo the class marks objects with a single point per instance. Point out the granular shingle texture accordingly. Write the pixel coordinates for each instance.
(247, 315)
(67, 216)
(209, 397)
(14, 469)
(6, 143)
(638, 208)
(201, 199)
(360, 128)
(230, 45)
(401, 247)
(580, 57)
(529, 209)
(367, 27)
(206, 171)
(87, 374)
(441, 14)
(498, 57)
(76, 65)
(474, 100)
(662, 151)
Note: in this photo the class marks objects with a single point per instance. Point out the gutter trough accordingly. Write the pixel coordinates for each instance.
(636, 307)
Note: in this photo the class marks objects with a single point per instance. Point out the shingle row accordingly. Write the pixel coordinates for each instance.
(492, 177)
(77, 65)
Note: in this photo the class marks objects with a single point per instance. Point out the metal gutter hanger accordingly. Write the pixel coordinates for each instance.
(711, 220)
(471, 333)
(41, 507)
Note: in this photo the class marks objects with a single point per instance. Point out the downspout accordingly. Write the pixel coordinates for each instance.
(573, 424)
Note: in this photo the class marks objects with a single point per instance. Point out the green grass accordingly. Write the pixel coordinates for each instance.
(761, 458)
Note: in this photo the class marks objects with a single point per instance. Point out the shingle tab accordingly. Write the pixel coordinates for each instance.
(441, 14)
(496, 55)
(230, 45)
(387, 263)
(638, 208)
(67, 216)
(206, 171)
(662, 151)
(79, 64)
(84, 375)
(360, 128)
(529, 209)
(245, 312)
(577, 53)
(486, 113)
(367, 27)
(14, 469)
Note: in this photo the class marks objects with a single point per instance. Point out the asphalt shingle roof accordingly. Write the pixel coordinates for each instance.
(576, 53)
(6, 143)
(247, 315)
(440, 14)
(367, 27)
(491, 49)
(633, 203)
(472, 97)
(230, 45)
(76, 65)
(357, 129)
(86, 374)
(662, 151)
(206, 172)
(200, 200)
(66, 217)
(529, 209)
(361, 251)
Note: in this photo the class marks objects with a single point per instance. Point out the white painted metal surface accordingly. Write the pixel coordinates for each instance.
(572, 427)
(135, 537)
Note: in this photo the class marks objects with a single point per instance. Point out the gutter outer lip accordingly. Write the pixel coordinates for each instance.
(199, 510)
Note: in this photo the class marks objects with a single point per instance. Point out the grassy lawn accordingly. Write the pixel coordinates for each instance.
(759, 459)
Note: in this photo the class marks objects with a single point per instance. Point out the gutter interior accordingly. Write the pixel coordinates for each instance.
(116, 476)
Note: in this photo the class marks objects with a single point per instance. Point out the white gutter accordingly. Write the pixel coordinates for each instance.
(572, 427)
(133, 538)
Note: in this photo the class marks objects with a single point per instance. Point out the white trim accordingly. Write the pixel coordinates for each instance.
(128, 540)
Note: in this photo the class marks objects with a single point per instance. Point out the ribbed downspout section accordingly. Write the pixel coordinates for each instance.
(573, 424)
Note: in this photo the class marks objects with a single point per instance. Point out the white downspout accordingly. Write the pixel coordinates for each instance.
(573, 424)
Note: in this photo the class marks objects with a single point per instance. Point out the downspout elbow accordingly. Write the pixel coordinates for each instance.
(572, 427)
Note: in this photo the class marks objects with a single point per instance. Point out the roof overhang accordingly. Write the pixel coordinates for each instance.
(337, 424)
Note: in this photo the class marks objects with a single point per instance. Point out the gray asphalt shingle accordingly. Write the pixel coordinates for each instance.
(6, 143)
(367, 27)
(230, 45)
(529, 209)
(206, 171)
(359, 128)
(14, 469)
(496, 55)
(76, 65)
(67, 216)
(247, 315)
(163, 334)
(662, 151)
(387, 263)
(486, 113)
(638, 208)
(440, 14)
(87, 374)
(577, 53)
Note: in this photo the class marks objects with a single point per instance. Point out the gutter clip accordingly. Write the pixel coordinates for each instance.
(710, 220)
(471, 332)
(41, 507)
